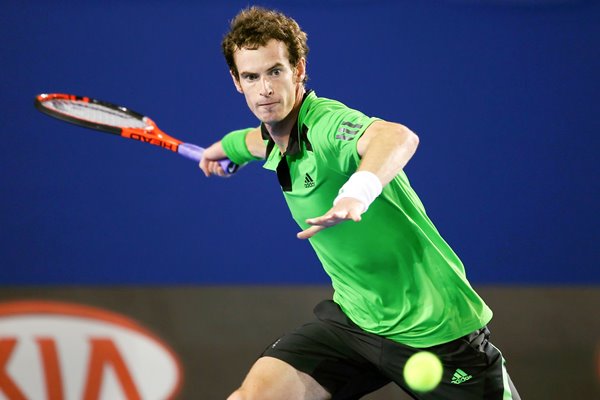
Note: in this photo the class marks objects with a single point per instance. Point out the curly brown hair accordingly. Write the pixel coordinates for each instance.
(255, 26)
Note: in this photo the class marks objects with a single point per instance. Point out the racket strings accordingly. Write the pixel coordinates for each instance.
(95, 113)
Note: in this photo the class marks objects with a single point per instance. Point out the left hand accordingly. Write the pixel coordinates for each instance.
(346, 209)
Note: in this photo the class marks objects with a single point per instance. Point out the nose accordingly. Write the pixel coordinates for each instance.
(267, 88)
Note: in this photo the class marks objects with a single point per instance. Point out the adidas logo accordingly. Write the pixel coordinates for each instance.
(460, 376)
(308, 181)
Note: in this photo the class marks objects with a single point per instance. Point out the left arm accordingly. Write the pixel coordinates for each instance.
(385, 149)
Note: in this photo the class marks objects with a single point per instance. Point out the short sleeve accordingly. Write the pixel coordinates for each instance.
(334, 130)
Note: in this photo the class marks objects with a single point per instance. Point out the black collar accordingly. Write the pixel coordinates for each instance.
(293, 146)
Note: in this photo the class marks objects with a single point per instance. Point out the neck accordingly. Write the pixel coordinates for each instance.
(280, 131)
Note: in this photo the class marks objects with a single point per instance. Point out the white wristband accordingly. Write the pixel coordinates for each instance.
(364, 186)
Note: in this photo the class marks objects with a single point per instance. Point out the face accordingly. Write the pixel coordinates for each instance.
(268, 81)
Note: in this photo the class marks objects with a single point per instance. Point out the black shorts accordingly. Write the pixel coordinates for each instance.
(349, 362)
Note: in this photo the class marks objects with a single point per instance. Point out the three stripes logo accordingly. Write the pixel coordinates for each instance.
(308, 181)
(460, 376)
(347, 130)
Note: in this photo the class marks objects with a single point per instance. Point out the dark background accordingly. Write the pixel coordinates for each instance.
(548, 335)
(505, 96)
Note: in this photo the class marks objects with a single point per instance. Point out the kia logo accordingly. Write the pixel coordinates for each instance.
(63, 351)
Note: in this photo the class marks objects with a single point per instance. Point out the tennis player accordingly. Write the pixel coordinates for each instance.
(398, 286)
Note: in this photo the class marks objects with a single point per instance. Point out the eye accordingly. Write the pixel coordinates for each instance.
(276, 72)
(250, 77)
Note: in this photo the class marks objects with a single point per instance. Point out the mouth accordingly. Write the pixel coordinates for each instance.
(267, 104)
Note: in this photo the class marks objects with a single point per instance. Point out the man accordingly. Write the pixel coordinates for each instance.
(399, 288)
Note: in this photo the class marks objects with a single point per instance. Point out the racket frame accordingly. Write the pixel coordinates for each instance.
(149, 134)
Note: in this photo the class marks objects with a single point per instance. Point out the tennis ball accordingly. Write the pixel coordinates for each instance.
(423, 371)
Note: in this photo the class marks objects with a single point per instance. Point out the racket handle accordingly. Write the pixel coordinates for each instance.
(195, 153)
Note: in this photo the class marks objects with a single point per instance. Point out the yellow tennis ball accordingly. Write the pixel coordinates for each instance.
(423, 371)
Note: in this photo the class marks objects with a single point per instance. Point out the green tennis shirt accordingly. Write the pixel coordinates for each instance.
(392, 272)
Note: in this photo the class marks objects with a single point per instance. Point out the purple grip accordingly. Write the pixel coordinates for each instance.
(195, 153)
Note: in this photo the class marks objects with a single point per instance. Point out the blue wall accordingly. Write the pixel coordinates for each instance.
(505, 99)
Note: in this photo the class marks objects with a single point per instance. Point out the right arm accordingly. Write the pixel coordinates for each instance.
(209, 165)
(255, 143)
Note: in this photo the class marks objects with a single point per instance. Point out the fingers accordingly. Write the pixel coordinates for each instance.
(203, 164)
(210, 168)
(353, 206)
(209, 164)
(320, 223)
(310, 232)
(354, 215)
(331, 218)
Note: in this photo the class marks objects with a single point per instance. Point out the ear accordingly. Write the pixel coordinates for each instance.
(300, 72)
(236, 81)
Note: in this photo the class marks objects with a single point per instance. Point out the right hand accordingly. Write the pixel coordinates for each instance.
(209, 163)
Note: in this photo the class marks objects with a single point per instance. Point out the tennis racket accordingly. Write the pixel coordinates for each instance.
(118, 120)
